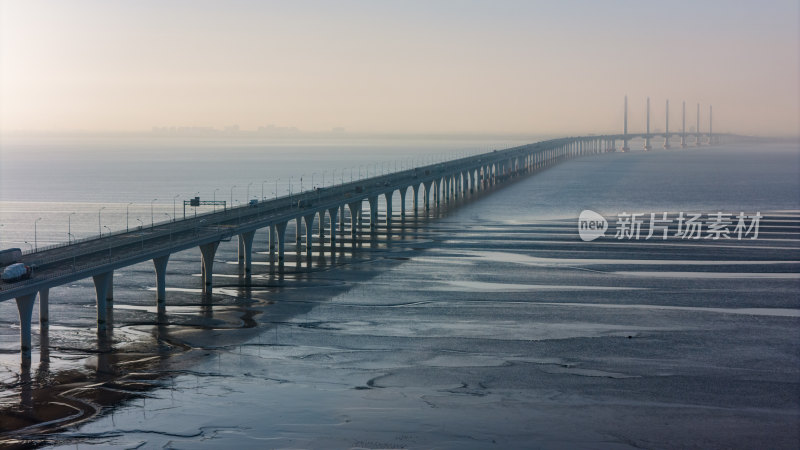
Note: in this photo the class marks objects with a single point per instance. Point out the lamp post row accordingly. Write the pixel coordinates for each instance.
(173, 217)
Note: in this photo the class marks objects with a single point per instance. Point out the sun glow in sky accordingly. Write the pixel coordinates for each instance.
(397, 66)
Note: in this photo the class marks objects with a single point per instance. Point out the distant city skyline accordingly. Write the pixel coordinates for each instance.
(445, 67)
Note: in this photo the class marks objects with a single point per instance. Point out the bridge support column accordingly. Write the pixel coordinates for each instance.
(388, 197)
(373, 214)
(280, 236)
(101, 285)
(25, 309)
(272, 239)
(44, 307)
(341, 219)
(297, 233)
(160, 265)
(451, 188)
(110, 291)
(427, 196)
(309, 222)
(415, 194)
(246, 244)
(403, 192)
(333, 213)
(207, 252)
(355, 211)
(321, 222)
(240, 250)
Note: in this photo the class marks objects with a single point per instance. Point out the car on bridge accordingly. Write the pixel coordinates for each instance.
(16, 272)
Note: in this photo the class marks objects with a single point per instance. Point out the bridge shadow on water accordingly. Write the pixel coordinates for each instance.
(147, 346)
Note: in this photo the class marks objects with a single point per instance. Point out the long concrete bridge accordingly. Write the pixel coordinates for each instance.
(338, 212)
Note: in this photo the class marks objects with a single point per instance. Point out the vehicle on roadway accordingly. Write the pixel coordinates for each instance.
(16, 272)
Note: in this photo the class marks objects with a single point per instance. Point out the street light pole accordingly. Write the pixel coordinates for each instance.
(35, 245)
(99, 226)
(262, 190)
(127, 215)
(248, 191)
(173, 206)
(232, 195)
(151, 213)
(69, 227)
(215, 199)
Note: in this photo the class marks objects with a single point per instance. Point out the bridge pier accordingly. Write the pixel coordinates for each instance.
(373, 214)
(321, 221)
(415, 200)
(102, 283)
(333, 213)
(25, 310)
(207, 252)
(403, 193)
(280, 236)
(309, 222)
(341, 220)
(355, 211)
(44, 307)
(272, 238)
(427, 196)
(246, 252)
(110, 292)
(160, 264)
(451, 188)
(388, 196)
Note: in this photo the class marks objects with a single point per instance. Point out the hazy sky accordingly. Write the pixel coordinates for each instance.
(397, 66)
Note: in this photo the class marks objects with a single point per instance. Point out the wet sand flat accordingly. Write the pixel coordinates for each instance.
(439, 334)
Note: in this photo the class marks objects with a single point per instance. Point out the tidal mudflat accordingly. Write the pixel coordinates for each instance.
(492, 325)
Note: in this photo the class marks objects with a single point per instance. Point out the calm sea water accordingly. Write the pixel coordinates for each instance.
(488, 325)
